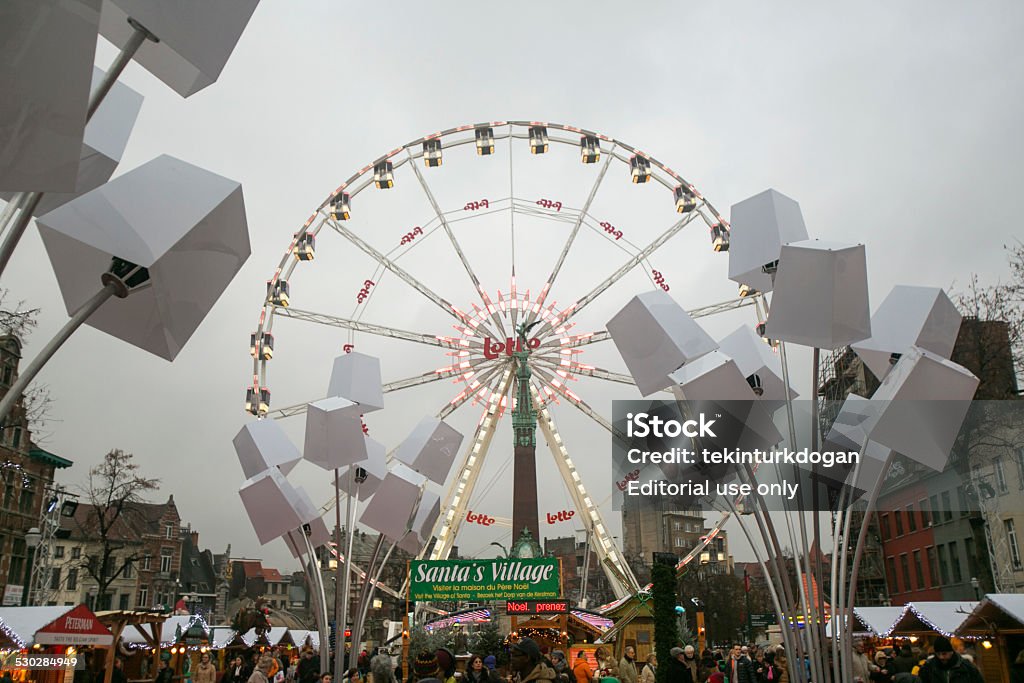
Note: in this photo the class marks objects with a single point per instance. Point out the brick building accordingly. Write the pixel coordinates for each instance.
(27, 473)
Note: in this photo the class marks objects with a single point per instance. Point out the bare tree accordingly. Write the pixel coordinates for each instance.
(114, 491)
(18, 321)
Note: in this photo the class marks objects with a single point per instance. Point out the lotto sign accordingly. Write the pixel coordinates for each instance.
(497, 579)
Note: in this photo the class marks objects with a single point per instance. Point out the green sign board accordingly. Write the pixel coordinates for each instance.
(761, 621)
(497, 579)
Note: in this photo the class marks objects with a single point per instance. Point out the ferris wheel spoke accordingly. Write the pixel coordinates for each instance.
(370, 328)
(434, 376)
(480, 383)
(591, 371)
(584, 407)
(491, 308)
(457, 498)
(730, 305)
(627, 267)
(572, 235)
(612, 560)
(404, 275)
(425, 378)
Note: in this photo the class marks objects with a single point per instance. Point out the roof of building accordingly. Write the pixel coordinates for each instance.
(253, 569)
(134, 521)
(270, 574)
(49, 458)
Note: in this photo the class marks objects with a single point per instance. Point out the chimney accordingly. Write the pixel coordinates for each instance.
(195, 540)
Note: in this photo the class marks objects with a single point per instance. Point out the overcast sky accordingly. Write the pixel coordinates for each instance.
(896, 125)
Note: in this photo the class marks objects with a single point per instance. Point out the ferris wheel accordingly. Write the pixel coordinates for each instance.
(432, 257)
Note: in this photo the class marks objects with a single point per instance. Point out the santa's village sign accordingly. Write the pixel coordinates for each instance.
(497, 579)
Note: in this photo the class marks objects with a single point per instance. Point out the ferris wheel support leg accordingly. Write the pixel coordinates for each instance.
(457, 498)
(612, 560)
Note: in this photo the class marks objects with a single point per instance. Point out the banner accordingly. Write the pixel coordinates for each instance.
(496, 579)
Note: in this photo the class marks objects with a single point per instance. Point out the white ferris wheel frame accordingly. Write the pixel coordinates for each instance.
(490, 382)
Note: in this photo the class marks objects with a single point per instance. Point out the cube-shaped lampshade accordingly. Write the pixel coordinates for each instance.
(271, 502)
(423, 524)
(261, 445)
(356, 376)
(430, 449)
(921, 405)
(376, 467)
(106, 136)
(46, 55)
(185, 225)
(319, 535)
(196, 37)
(821, 295)
(848, 434)
(910, 316)
(760, 226)
(392, 507)
(655, 337)
(754, 357)
(713, 376)
(334, 433)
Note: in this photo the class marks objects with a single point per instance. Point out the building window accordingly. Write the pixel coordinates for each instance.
(676, 526)
(677, 542)
(169, 531)
(76, 553)
(143, 596)
(972, 562)
(1011, 539)
(944, 564)
(883, 526)
(55, 579)
(1000, 476)
(165, 560)
(897, 517)
(1019, 458)
(72, 579)
(936, 511)
(127, 572)
(16, 437)
(933, 566)
(122, 602)
(947, 507)
(16, 569)
(147, 562)
(905, 567)
(926, 517)
(8, 374)
(954, 562)
(911, 519)
(919, 570)
(58, 551)
(965, 507)
(28, 495)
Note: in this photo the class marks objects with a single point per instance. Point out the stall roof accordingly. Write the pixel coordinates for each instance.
(1002, 610)
(273, 637)
(24, 626)
(880, 620)
(299, 637)
(169, 630)
(943, 617)
(221, 636)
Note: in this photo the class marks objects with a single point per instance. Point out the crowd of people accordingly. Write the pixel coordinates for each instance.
(901, 663)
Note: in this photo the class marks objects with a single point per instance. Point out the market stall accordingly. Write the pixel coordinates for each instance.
(59, 631)
(997, 622)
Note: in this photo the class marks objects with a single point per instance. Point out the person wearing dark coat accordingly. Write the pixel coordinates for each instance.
(677, 669)
(308, 669)
(947, 666)
(904, 662)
